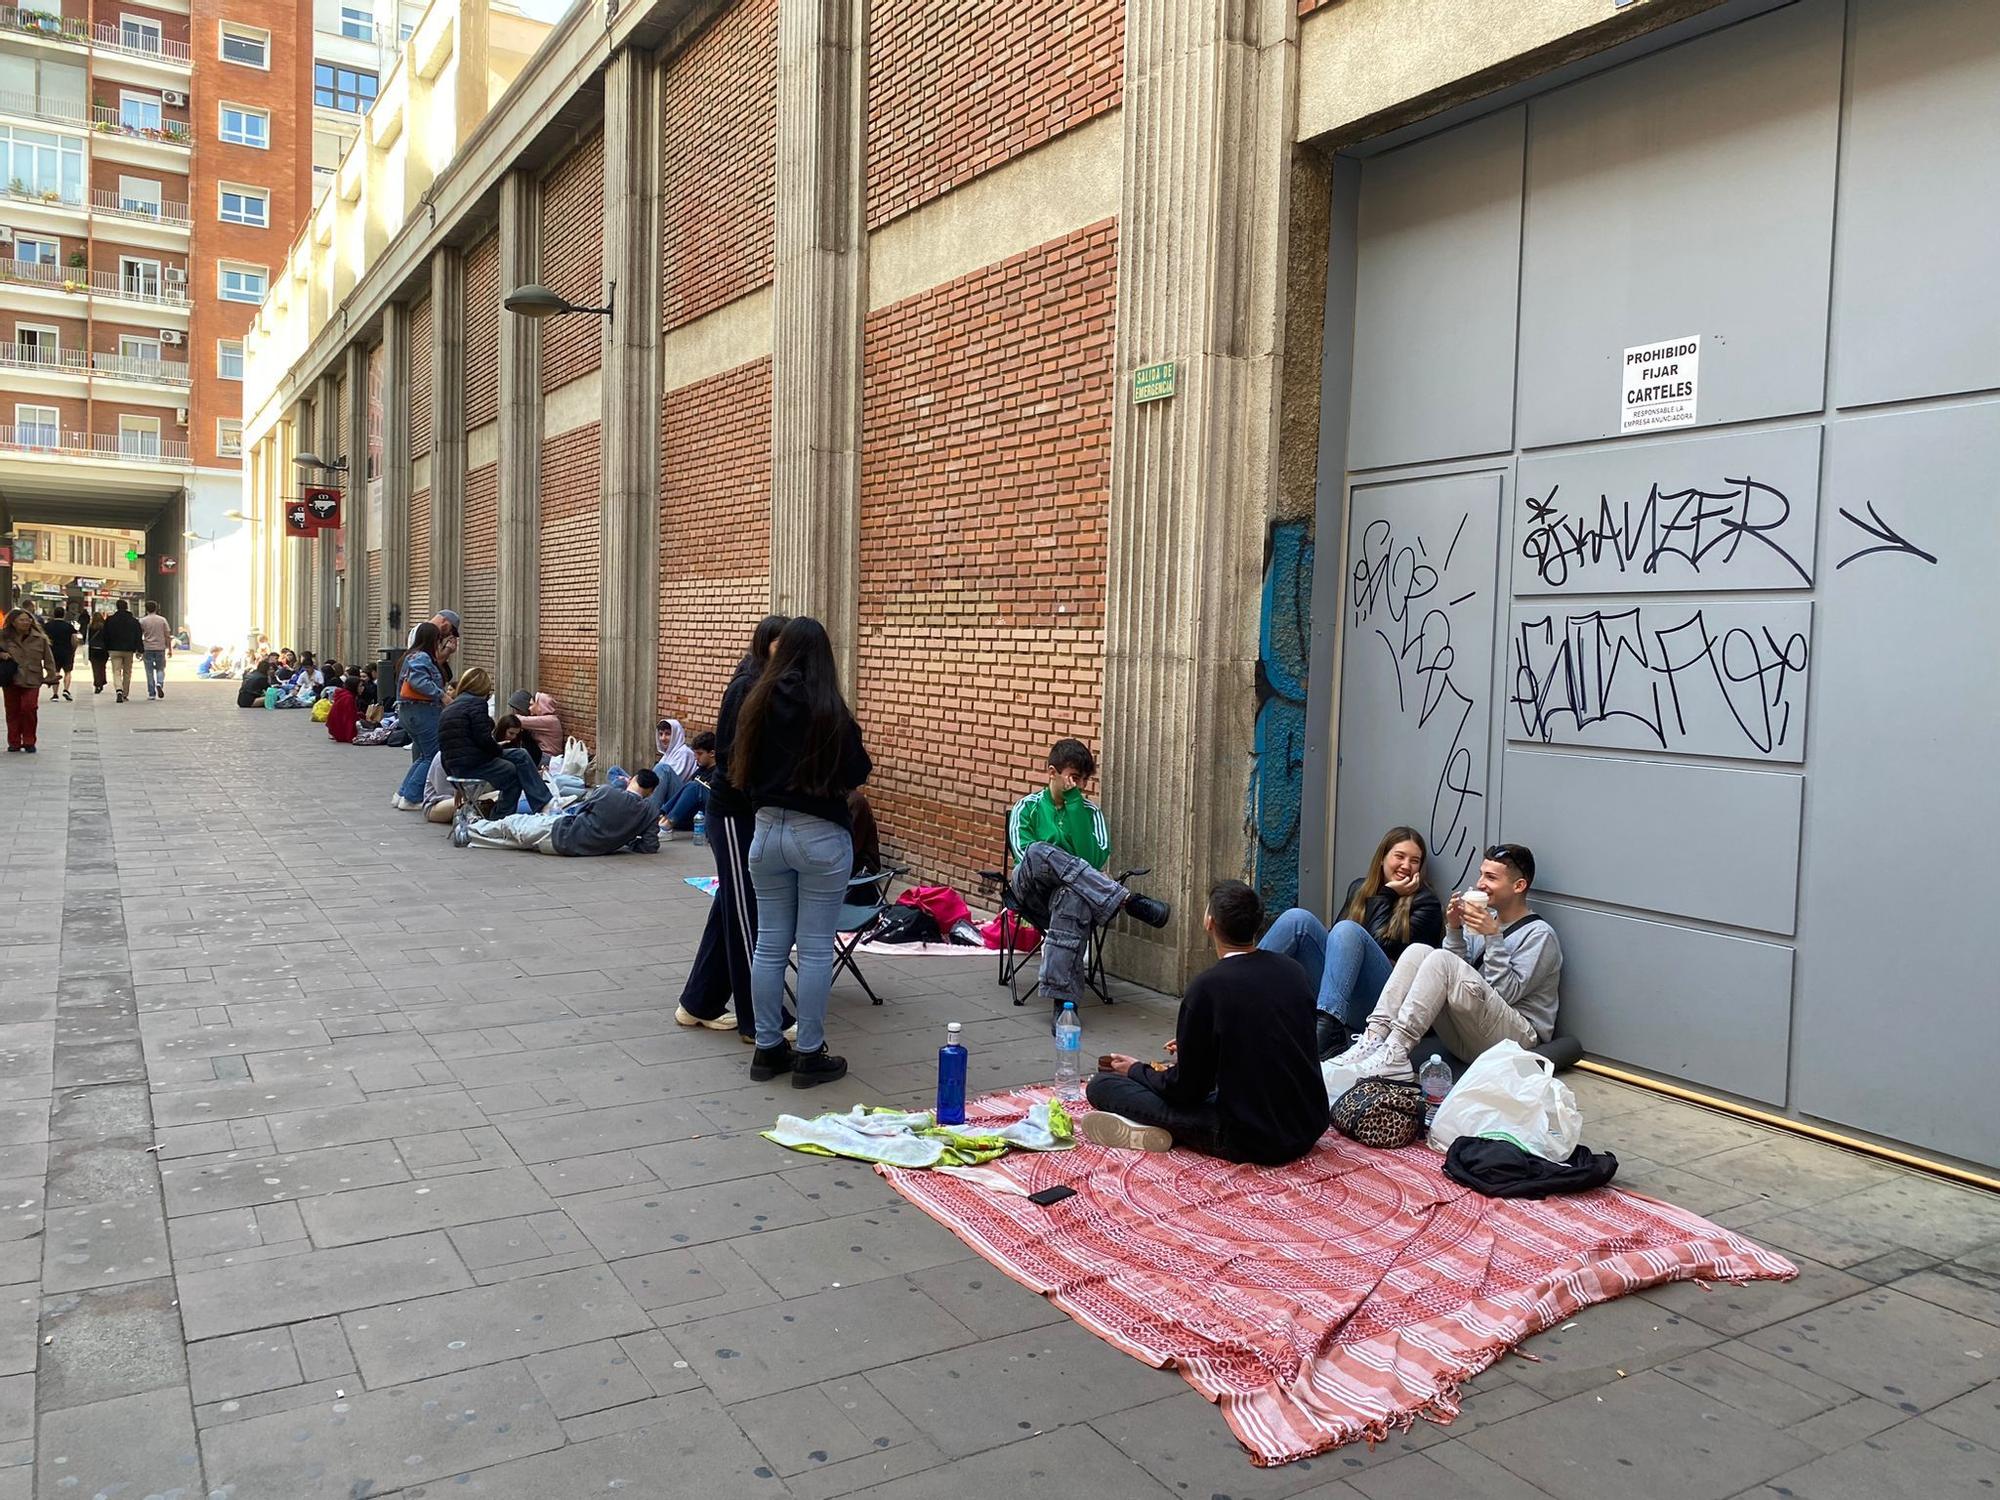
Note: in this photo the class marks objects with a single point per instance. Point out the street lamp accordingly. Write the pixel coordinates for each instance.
(535, 301)
(314, 461)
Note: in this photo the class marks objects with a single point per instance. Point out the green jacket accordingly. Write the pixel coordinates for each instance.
(1077, 827)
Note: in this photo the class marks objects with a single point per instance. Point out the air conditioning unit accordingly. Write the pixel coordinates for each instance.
(173, 96)
(172, 336)
(175, 276)
(6, 235)
(181, 415)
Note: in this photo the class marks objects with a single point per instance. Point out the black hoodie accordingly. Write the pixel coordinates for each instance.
(770, 782)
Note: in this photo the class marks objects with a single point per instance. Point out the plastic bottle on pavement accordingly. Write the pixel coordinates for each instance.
(701, 830)
(951, 1078)
(1434, 1078)
(1069, 1054)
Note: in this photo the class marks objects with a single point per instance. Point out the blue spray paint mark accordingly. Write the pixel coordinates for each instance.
(1278, 748)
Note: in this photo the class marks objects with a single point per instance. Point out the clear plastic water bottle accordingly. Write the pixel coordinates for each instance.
(701, 830)
(1069, 1054)
(951, 1078)
(1434, 1078)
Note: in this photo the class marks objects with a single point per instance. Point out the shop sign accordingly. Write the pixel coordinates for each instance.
(1658, 385)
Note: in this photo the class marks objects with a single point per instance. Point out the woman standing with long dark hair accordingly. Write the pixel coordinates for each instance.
(798, 753)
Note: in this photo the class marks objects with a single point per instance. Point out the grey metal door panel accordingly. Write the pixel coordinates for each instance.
(1691, 841)
(1916, 305)
(1438, 268)
(1732, 510)
(1898, 981)
(1709, 1008)
(1702, 679)
(1417, 669)
(1687, 193)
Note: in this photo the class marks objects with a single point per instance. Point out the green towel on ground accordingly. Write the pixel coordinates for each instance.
(904, 1138)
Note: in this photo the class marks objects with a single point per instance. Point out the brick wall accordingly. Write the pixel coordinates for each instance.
(986, 466)
(955, 90)
(482, 333)
(478, 611)
(420, 378)
(715, 534)
(719, 163)
(573, 262)
(566, 553)
(419, 607)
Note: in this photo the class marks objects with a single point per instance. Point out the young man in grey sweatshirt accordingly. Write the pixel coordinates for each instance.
(607, 820)
(1495, 979)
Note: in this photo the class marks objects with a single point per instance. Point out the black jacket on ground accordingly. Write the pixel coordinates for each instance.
(772, 782)
(1426, 918)
(465, 736)
(724, 800)
(1501, 1169)
(121, 632)
(1246, 1031)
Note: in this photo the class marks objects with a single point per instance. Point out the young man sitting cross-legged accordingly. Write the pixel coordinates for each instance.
(1496, 978)
(1245, 1084)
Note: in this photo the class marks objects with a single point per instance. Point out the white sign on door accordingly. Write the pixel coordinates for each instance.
(1658, 385)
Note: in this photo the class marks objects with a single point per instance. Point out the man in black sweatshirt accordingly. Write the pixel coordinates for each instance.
(608, 820)
(1245, 1084)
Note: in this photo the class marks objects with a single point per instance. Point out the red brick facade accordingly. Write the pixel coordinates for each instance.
(955, 90)
(478, 611)
(986, 467)
(566, 553)
(715, 534)
(720, 163)
(420, 378)
(573, 262)
(419, 607)
(482, 333)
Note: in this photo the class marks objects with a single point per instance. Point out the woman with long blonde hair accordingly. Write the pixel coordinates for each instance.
(1385, 911)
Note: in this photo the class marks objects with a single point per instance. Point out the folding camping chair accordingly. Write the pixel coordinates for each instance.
(867, 899)
(1014, 958)
(470, 790)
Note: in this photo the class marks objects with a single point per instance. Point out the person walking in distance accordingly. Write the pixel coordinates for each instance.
(96, 649)
(156, 638)
(27, 665)
(798, 753)
(62, 633)
(123, 639)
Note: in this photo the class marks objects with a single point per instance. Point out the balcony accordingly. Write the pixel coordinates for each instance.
(105, 120)
(116, 447)
(70, 112)
(172, 215)
(34, 360)
(129, 43)
(119, 40)
(79, 282)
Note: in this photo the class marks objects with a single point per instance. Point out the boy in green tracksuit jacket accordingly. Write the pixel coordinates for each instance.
(1059, 813)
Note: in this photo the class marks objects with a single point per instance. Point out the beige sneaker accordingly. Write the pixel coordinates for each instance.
(723, 1022)
(1121, 1134)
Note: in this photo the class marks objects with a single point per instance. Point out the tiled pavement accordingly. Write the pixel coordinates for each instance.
(335, 1162)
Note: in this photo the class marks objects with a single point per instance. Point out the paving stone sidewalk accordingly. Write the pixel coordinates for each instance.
(339, 1163)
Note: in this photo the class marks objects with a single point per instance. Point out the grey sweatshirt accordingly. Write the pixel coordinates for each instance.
(609, 820)
(1522, 963)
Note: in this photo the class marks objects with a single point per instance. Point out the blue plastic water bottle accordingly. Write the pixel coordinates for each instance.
(701, 830)
(951, 1078)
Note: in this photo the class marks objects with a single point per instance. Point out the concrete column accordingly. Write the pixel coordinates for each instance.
(517, 632)
(395, 538)
(1209, 88)
(356, 629)
(819, 299)
(629, 500)
(447, 357)
(326, 443)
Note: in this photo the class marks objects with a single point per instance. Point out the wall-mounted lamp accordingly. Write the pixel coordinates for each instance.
(533, 301)
(314, 461)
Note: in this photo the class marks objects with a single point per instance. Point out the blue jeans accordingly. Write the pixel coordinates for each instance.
(156, 673)
(1347, 965)
(799, 866)
(689, 800)
(419, 718)
(513, 775)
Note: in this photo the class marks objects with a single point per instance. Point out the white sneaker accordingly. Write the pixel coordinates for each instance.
(723, 1022)
(792, 1032)
(1365, 1046)
(1121, 1134)
(1391, 1060)
(402, 804)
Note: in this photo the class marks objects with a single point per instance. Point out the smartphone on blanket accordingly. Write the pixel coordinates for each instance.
(1052, 1195)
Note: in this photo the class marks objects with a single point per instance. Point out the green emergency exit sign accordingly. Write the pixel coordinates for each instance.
(1153, 382)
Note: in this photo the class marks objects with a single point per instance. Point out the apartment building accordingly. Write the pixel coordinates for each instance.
(57, 563)
(155, 162)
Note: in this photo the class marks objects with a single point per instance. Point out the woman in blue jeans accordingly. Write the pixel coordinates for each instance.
(797, 753)
(418, 699)
(1386, 910)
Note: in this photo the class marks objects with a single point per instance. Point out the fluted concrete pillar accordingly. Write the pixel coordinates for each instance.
(326, 443)
(629, 498)
(1209, 88)
(517, 625)
(395, 538)
(447, 357)
(819, 282)
(355, 629)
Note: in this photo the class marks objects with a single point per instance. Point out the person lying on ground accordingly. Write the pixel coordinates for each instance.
(465, 739)
(1245, 1082)
(1496, 979)
(1384, 912)
(1064, 895)
(692, 798)
(607, 820)
(1059, 813)
(537, 713)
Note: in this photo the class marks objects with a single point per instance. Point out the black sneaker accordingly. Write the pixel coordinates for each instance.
(809, 1068)
(767, 1063)
(1332, 1035)
(1148, 909)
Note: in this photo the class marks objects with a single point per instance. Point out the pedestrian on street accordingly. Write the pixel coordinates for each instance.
(62, 633)
(94, 647)
(156, 638)
(27, 665)
(123, 639)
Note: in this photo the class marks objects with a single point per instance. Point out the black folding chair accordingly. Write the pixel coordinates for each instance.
(1013, 958)
(867, 899)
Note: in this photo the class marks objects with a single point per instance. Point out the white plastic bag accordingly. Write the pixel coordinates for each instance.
(575, 758)
(1338, 1080)
(1514, 1094)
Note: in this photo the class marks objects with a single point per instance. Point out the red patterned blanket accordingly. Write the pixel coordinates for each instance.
(1337, 1298)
